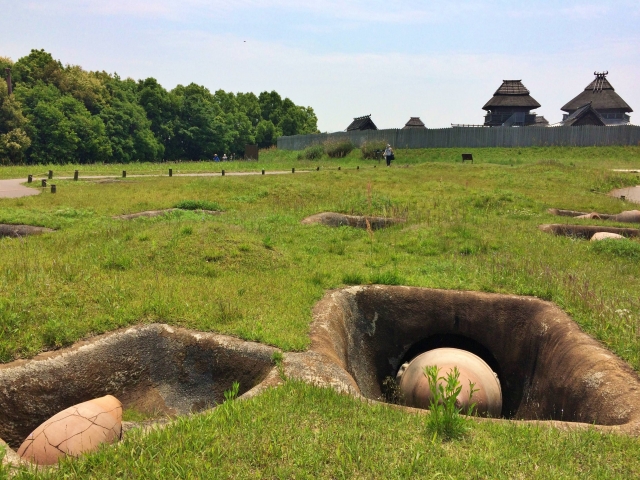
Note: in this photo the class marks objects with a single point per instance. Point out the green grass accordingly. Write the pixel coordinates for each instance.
(256, 272)
(274, 159)
(300, 431)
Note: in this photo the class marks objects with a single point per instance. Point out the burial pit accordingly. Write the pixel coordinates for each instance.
(16, 231)
(547, 367)
(154, 369)
(585, 232)
(332, 219)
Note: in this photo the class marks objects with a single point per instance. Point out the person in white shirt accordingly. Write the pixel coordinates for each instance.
(388, 155)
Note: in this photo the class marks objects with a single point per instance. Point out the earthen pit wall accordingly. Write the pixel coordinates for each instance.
(153, 368)
(550, 369)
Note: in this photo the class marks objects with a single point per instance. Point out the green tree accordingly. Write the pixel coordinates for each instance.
(201, 128)
(161, 107)
(249, 104)
(267, 133)
(37, 66)
(14, 141)
(61, 128)
(127, 125)
(271, 106)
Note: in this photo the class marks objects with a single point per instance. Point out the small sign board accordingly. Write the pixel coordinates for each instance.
(251, 152)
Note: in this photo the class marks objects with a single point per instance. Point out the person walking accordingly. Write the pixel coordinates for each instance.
(388, 155)
(224, 157)
(216, 158)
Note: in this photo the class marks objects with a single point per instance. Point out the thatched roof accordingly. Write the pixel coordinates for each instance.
(585, 115)
(362, 123)
(601, 95)
(512, 93)
(414, 122)
(541, 121)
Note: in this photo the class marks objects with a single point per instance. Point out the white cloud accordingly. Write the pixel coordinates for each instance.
(390, 11)
(440, 88)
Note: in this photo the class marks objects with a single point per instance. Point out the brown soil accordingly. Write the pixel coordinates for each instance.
(16, 231)
(586, 231)
(154, 369)
(157, 213)
(548, 368)
(331, 219)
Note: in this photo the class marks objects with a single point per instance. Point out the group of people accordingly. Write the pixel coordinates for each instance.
(216, 158)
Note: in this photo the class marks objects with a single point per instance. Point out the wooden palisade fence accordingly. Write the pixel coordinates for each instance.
(475, 137)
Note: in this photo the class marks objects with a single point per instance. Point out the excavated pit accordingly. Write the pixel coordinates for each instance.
(332, 219)
(155, 369)
(157, 213)
(628, 216)
(16, 231)
(586, 231)
(548, 368)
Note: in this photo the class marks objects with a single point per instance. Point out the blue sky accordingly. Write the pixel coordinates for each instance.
(440, 60)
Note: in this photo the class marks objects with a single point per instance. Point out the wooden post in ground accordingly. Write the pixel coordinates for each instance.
(30, 179)
(53, 188)
(50, 174)
(223, 173)
(44, 183)
(75, 175)
(171, 172)
(263, 172)
(124, 174)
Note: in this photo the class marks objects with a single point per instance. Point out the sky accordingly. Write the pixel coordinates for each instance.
(437, 60)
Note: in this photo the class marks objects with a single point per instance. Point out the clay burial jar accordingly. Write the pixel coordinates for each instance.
(74, 431)
(414, 385)
(606, 236)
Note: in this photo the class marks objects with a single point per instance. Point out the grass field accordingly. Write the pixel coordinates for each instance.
(255, 272)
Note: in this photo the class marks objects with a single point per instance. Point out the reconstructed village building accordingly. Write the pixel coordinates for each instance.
(602, 98)
(362, 123)
(510, 106)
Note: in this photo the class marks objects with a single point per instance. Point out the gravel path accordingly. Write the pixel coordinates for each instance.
(14, 188)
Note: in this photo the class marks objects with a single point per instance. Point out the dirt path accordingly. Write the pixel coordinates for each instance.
(14, 188)
(630, 194)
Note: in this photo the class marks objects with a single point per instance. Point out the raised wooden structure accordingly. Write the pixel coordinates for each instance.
(510, 106)
(603, 98)
(362, 123)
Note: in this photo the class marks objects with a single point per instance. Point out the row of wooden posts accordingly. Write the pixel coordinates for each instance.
(124, 175)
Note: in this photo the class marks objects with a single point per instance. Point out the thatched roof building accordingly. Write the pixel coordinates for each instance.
(541, 121)
(602, 97)
(414, 122)
(510, 105)
(362, 123)
(585, 115)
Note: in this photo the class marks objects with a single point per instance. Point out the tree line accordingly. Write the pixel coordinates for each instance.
(64, 114)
